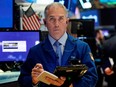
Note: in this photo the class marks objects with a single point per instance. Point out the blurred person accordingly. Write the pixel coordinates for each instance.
(99, 37)
(44, 55)
(109, 61)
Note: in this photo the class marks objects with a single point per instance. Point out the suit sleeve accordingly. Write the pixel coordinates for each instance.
(25, 79)
(90, 77)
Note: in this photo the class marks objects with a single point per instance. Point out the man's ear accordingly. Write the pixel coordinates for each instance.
(44, 21)
(67, 21)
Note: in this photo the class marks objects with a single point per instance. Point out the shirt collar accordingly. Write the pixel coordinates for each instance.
(62, 40)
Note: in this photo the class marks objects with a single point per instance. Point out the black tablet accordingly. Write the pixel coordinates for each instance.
(72, 71)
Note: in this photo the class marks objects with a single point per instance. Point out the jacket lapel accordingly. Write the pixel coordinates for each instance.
(69, 48)
(48, 48)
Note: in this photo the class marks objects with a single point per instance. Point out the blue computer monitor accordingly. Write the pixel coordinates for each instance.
(6, 14)
(15, 45)
(91, 14)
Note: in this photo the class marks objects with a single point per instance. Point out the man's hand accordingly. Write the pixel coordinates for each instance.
(57, 82)
(71, 85)
(108, 71)
(38, 68)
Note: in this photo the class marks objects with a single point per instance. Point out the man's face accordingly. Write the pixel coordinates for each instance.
(56, 22)
(101, 35)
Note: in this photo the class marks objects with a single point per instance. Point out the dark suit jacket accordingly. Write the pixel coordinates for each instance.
(109, 50)
(43, 53)
(110, 47)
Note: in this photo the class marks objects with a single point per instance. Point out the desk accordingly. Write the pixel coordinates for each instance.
(7, 77)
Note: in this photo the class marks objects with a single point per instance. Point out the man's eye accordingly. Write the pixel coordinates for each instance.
(61, 19)
(52, 19)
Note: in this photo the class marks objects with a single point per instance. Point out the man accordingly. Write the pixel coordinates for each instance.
(43, 57)
(109, 61)
(99, 37)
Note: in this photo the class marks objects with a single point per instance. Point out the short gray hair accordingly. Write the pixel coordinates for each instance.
(54, 4)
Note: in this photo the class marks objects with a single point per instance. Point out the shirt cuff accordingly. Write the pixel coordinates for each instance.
(35, 85)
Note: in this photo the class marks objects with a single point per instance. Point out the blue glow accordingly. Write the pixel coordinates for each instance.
(6, 13)
(31, 1)
(91, 14)
(15, 45)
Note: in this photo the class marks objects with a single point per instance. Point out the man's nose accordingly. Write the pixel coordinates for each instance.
(56, 22)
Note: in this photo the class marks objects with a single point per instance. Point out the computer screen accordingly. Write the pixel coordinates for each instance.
(39, 1)
(108, 17)
(91, 14)
(108, 31)
(82, 27)
(15, 45)
(6, 14)
(66, 3)
(105, 33)
(108, 1)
